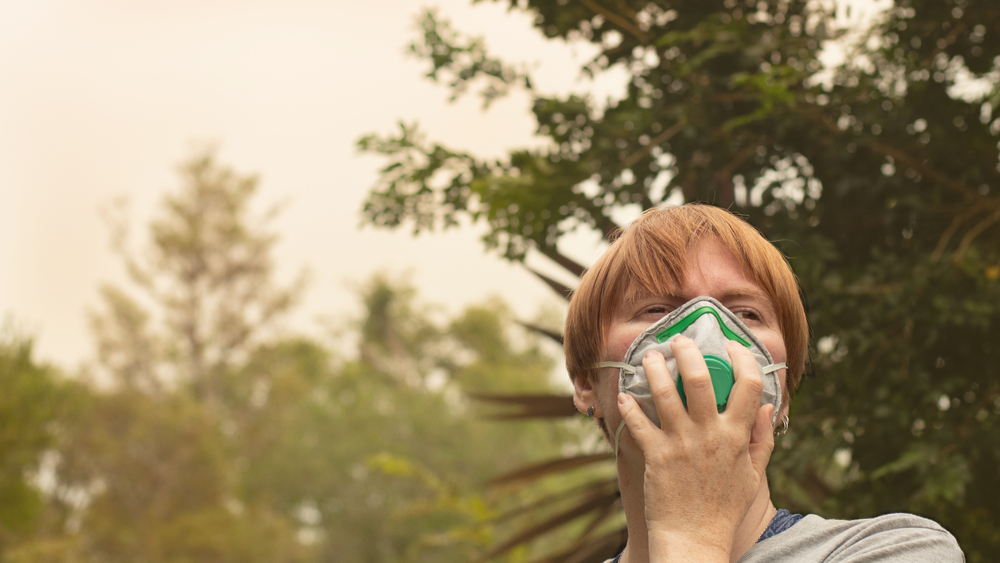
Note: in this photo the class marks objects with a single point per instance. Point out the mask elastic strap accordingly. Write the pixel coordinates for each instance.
(617, 434)
(628, 368)
(773, 367)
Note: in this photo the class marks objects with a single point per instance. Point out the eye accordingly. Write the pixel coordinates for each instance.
(652, 313)
(746, 315)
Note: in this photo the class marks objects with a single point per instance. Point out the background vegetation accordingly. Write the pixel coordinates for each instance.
(878, 177)
(206, 433)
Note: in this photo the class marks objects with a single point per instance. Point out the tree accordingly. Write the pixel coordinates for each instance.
(148, 468)
(878, 178)
(404, 400)
(214, 436)
(34, 407)
(209, 274)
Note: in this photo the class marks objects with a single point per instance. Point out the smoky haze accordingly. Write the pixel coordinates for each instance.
(101, 101)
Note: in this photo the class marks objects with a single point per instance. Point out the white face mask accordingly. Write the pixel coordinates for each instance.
(711, 326)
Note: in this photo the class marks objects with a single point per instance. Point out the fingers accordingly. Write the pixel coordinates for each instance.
(697, 381)
(762, 439)
(642, 429)
(744, 401)
(663, 388)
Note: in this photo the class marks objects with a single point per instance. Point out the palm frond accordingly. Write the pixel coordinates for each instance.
(563, 290)
(596, 551)
(530, 406)
(594, 503)
(551, 334)
(539, 470)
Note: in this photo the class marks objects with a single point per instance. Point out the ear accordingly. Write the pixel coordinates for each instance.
(585, 396)
(786, 398)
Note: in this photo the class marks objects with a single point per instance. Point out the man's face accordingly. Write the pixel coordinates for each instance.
(711, 271)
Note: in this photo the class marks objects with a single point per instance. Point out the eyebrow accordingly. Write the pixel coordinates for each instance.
(635, 296)
(748, 292)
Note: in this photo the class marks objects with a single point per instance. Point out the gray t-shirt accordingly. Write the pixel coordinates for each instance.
(896, 538)
(892, 538)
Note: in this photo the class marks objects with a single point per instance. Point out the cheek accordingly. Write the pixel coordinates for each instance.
(774, 343)
(619, 340)
(617, 345)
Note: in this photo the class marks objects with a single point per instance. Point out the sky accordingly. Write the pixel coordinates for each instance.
(101, 99)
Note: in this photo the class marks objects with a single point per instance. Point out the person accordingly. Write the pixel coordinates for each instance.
(694, 488)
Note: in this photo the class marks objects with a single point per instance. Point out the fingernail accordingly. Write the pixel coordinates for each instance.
(652, 354)
(621, 398)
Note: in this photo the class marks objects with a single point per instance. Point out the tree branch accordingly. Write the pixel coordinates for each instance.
(551, 334)
(655, 141)
(909, 160)
(950, 232)
(973, 233)
(567, 263)
(617, 20)
(559, 288)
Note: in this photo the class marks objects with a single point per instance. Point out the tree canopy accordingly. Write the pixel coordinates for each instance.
(879, 178)
(205, 432)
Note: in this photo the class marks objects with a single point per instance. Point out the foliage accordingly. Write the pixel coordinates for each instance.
(208, 273)
(410, 382)
(879, 178)
(206, 434)
(34, 402)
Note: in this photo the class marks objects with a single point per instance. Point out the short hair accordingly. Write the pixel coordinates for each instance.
(649, 256)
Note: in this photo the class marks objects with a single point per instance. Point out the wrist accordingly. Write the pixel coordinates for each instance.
(686, 546)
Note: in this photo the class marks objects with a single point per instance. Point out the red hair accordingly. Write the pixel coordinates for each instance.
(649, 256)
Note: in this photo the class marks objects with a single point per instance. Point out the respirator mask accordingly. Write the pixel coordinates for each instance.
(711, 326)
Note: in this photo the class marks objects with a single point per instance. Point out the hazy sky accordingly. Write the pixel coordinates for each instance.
(100, 99)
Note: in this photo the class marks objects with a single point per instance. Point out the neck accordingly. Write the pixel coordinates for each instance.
(630, 482)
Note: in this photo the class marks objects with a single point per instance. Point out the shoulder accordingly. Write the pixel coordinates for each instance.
(891, 537)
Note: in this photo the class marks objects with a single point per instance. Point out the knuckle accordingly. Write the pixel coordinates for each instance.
(661, 393)
(697, 379)
(755, 384)
(659, 456)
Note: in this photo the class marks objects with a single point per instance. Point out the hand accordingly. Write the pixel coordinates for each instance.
(703, 468)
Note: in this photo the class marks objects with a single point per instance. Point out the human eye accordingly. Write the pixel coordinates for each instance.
(747, 315)
(653, 312)
(649, 313)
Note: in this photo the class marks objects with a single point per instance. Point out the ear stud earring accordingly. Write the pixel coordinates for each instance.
(590, 412)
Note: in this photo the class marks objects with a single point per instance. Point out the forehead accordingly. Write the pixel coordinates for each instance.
(708, 268)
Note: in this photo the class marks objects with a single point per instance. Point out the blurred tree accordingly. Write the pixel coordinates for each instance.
(207, 285)
(404, 399)
(33, 406)
(209, 436)
(879, 178)
(147, 470)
